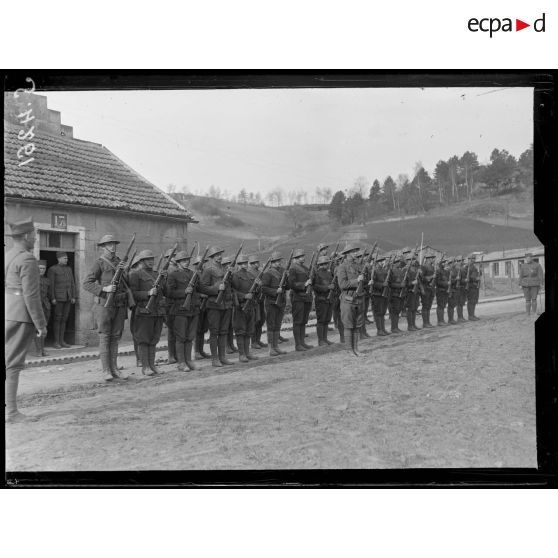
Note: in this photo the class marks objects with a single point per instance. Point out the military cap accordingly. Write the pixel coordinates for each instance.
(214, 250)
(350, 247)
(242, 258)
(21, 227)
(429, 256)
(322, 246)
(254, 259)
(298, 253)
(380, 259)
(226, 260)
(529, 254)
(106, 239)
(196, 260)
(61, 255)
(181, 256)
(323, 260)
(459, 258)
(135, 261)
(144, 255)
(276, 256)
(408, 257)
(42, 262)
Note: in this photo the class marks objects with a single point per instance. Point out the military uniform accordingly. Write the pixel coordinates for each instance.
(472, 289)
(23, 312)
(395, 300)
(412, 295)
(427, 278)
(442, 282)
(531, 277)
(218, 314)
(301, 301)
(62, 293)
(323, 285)
(352, 304)
(185, 320)
(461, 293)
(379, 302)
(169, 317)
(45, 301)
(148, 324)
(452, 294)
(110, 321)
(271, 279)
(259, 305)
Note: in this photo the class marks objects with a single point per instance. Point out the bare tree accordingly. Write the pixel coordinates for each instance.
(171, 188)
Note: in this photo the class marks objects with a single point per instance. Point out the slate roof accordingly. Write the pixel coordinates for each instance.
(69, 170)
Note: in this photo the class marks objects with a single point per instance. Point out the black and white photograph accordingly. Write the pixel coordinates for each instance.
(204, 278)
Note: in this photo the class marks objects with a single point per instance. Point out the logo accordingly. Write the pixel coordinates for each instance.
(493, 25)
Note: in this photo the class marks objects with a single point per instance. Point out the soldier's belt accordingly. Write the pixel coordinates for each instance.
(16, 292)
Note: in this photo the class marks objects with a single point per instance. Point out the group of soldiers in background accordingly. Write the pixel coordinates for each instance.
(233, 296)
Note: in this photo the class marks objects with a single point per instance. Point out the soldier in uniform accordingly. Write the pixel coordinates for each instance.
(472, 288)
(218, 314)
(110, 321)
(299, 280)
(147, 323)
(442, 283)
(169, 317)
(427, 278)
(360, 257)
(185, 320)
(134, 264)
(257, 342)
(531, 277)
(379, 302)
(412, 292)
(452, 289)
(352, 304)
(45, 300)
(203, 326)
(274, 312)
(461, 293)
(23, 312)
(244, 318)
(323, 285)
(230, 348)
(337, 301)
(62, 296)
(395, 286)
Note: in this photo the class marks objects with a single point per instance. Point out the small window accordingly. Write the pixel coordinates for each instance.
(508, 269)
(536, 260)
(495, 269)
(54, 239)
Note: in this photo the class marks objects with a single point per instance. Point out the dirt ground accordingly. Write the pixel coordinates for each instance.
(461, 396)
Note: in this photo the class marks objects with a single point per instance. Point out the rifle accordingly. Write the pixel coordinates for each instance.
(449, 282)
(436, 267)
(332, 270)
(468, 276)
(156, 269)
(227, 276)
(117, 277)
(127, 268)
(372, 272)
(193, 250)
(312, 273)
(152, 298)
(194, 281)
(254, 286)
(385, 290)
(360, 290)
(403, 292)
(283, 281)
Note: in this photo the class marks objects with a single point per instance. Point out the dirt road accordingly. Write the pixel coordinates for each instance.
(461, 396)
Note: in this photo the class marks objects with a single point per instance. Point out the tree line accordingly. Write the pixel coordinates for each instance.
(453, 180)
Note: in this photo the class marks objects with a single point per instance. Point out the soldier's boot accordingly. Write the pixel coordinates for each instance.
(213, 347)
(460, 317)
(43, 352)
(275, 341)
(152, 353)
(378, 322)
(327, 341)
(273, 350)
(355, 335)
(320, 333)
(56, 334)
(247, 352)
(180, 357)
(534, 306)
(222, 350)
(199, 348)
(528, 308)
(136, 351)
(303, 337)
(414, 320)
(259, 337)
(104, 357)
(38, 349)
(117, 374)
(12, 414)
(255, 343)
(143, 349)
(188, 356)
(171, 356)
(470, 312)
(426, 318)
(450, 317)
(296, 334)
(440, 316)
(363, 333)
(62, 334)
(241, 348)
(350, 337)
(230, 348)
(341, 329)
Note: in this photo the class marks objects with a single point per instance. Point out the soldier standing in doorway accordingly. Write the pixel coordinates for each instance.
(427, 292)
(473, 276)
(299, 280)
(110, 321)
(218, 314)
(185, 319)
(62, 296)
(148, 323)
(45, 300)
(531, 278)
(23, 312)
(323, 285)
(275, 300)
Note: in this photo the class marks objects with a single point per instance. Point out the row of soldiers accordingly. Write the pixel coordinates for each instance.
(233, 296)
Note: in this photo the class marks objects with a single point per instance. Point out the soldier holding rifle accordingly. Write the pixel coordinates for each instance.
(230, 349)
(367, 262)
(107, 282)
(301, 299)
(395, 286)
(453, 270)
(148, 288)
(203, 325)
(472, 287)
(169, 316)
(323, 286)
(274, 286)
(461, 290)
(442, 281)
(412, 288)
(427, 274)
(254, 270)
(377, 285)
(181, 283)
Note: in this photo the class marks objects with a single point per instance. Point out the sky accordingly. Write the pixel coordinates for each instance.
(295, 139)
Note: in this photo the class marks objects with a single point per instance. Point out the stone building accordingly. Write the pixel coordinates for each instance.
(76, 191)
